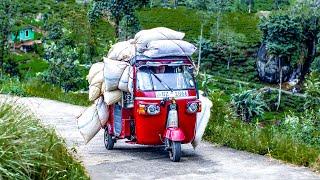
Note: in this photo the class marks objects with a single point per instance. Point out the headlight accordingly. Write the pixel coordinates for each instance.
(153, 109)
(193, 107)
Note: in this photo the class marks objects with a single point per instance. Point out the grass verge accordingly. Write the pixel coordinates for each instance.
(30, 151)
(35, 88)
(223, 128)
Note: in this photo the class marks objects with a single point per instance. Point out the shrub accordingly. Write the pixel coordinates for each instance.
(64, 69)
(312, 87)
(11, 85)
(248, 104)
(304, 127)
(29, 151)
(223, 128)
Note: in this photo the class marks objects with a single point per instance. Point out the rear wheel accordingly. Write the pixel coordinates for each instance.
(175, 151)
(108, 140)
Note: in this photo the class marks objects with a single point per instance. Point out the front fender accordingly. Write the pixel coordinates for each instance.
(174, 134)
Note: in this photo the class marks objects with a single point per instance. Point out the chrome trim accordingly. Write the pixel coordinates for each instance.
(150, 98)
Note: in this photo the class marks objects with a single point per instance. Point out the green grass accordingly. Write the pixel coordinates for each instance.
(30, 151)
(36, 88)
(29, 64)
(224, 128)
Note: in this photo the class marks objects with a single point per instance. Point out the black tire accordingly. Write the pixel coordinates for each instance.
(175, 152)
(108, 141)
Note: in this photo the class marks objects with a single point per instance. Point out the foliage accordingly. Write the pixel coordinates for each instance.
(129, 26)
(315, 66)
(312, 88)
(115, 10)
(214, 5)
(282, 34)
(54, 30)
(36, 88)
(293, 33)
(7, 20)
(223, 128)
(304, 127)
(64, 69)
(248, 104)
(29, 151)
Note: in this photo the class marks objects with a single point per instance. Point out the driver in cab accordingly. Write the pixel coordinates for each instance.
(159, 69)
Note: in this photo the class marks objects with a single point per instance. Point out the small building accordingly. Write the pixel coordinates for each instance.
(24, 34)
(24, 39)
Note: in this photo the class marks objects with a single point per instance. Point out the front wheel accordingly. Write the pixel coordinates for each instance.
(108, 141)
(175, 151)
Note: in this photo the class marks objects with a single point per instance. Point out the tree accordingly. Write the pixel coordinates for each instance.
(217, 7)
(114, 10)
(209, 9)
(292, 36)
(129, 26)
(63, 69)
(279, 3)
(250, 4)
(280, 42)
(7, 19)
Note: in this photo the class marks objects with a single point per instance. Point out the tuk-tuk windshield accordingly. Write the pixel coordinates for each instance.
(164, 77)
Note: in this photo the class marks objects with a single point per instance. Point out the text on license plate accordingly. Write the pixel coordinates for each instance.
(163, 94)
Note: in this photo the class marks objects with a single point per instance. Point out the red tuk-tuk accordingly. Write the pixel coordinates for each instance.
(162, 108)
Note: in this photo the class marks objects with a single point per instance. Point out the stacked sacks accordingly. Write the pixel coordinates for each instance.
(108, 79)
(96, 81)
(142, 38)
(92, 119)
(162, 48)
(122, 51)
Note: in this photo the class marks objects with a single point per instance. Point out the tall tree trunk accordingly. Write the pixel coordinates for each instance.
(280, 85)
(200, 48)
(229, 60)
(175, 5)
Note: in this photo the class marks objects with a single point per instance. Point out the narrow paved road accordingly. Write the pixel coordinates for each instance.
(145, 162)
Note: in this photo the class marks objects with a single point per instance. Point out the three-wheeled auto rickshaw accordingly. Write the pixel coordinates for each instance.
(161, 109)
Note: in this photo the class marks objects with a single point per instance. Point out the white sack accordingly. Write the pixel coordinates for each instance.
(143, 37)
(123, 83)
(103, 111)
(162, 48)
(95, 91)
(112, 97)
(97, 79)
(122, 51)
(103, 87)
(130, 82)
(202, 119)
(88, 123)
(95, 69)
(112, 73)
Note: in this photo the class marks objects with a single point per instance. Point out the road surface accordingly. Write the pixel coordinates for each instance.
(127, 161)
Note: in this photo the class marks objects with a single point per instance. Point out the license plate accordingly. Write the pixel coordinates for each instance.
(163, 94)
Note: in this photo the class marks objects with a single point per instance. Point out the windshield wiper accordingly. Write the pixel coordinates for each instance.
(162, 82)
